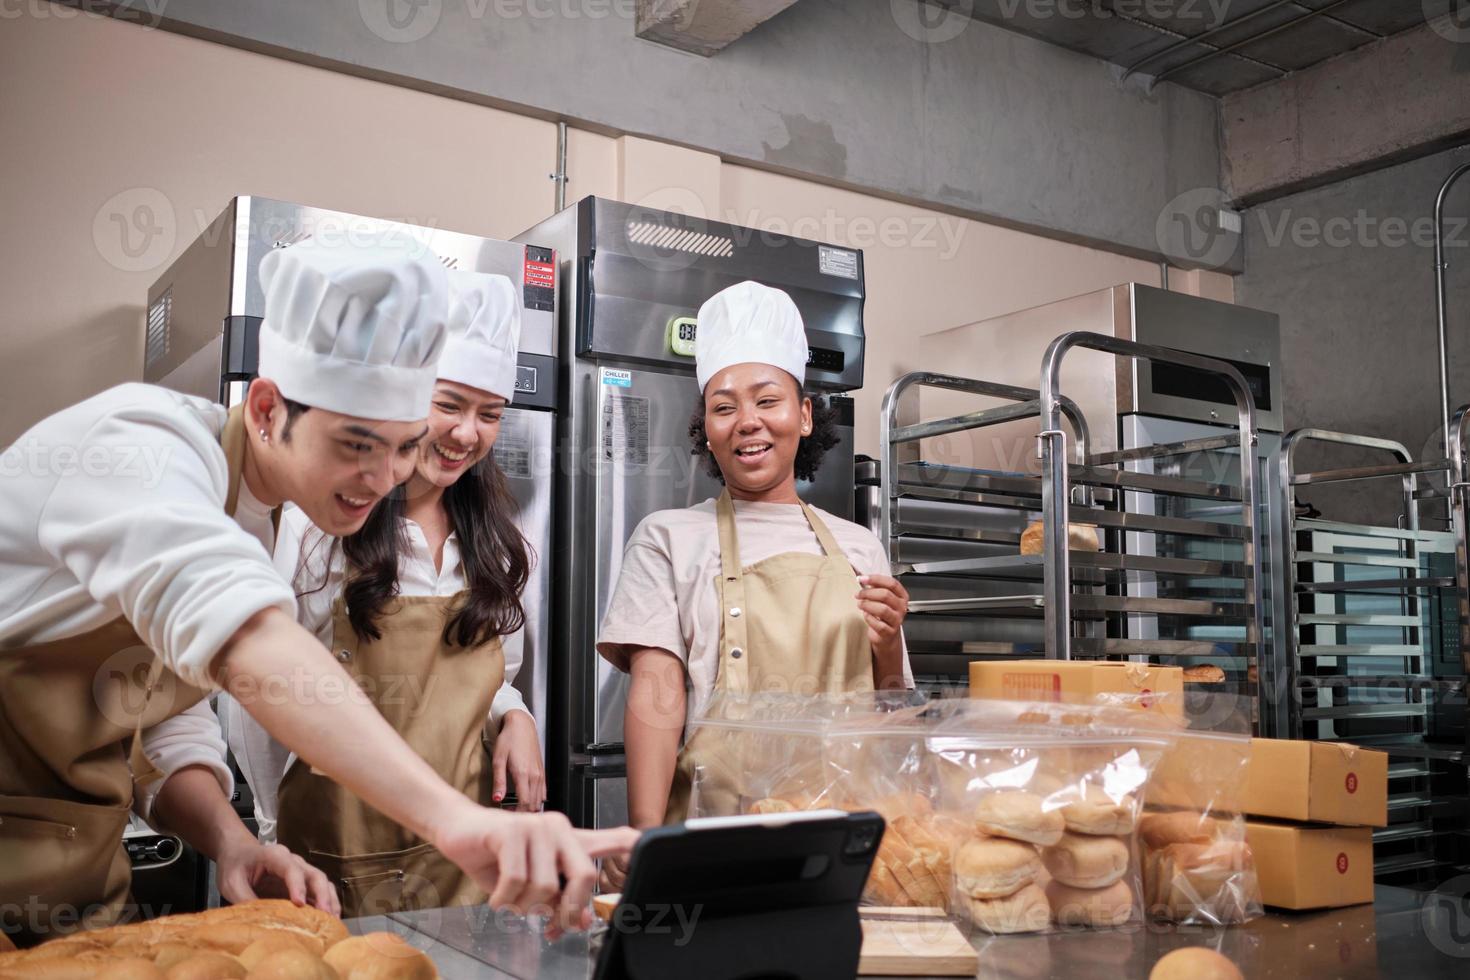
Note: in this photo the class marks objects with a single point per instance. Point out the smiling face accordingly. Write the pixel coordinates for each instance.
(334, 467)
(754, 418)
(464, 423)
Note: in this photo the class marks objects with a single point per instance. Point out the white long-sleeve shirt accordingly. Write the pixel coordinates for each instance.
(315, 565)
(115, 507)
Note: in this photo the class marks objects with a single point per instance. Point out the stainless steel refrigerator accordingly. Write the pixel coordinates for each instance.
(204, 316)
(632, 280)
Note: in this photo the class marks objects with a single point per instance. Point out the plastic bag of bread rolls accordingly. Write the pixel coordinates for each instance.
(1197, 865)
(986, 803)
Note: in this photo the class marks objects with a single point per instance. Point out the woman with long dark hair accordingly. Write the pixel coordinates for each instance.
(415, 606)
(754, 590)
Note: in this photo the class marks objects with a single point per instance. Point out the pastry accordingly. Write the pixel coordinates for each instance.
(993, 867)
(208, 966)
(1099, 814)
(379, 956)
(1110, 906)
(1194, 963)
(1178, 827)
(1204, 674)
(1025, 911)
(1080, 537)
(1084, 861)
(1018, 815)
(772, 805)
(133, 968)
(292, 964)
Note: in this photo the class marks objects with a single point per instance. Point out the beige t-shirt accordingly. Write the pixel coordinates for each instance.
(667, 594)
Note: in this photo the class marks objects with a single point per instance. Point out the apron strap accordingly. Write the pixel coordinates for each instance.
(824, 536)
(733, 647)
(145, 773)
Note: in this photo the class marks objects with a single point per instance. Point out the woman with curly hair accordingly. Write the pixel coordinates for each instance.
(754, 590)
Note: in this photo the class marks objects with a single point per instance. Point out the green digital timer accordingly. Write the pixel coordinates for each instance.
(681, 335)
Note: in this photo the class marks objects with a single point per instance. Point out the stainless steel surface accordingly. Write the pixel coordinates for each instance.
(1403, 934)
(1441, 266)
(1056, 507)
(624, 452)
(525, 451)
(1010, 348)
(1460, 525)
(217, 278)
(560, 176)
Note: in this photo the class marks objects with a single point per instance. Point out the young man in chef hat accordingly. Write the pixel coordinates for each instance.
(127, 594)
(754, 590)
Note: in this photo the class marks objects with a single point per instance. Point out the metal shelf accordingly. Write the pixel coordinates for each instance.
(1376, 585)
(1406, 710)
(1359, 650)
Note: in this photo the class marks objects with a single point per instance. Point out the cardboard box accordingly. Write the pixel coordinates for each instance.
(1324, 782)
(1078, 680)
(1312, 867)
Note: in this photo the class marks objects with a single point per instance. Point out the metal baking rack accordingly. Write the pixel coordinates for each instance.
(1182, 554)
(1357, 615)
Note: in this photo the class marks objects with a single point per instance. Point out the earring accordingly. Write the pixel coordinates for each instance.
(265, 436)
(707, 445)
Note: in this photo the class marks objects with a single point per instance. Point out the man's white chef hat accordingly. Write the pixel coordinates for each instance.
(748, 322)
(355, 329)
(484, 333)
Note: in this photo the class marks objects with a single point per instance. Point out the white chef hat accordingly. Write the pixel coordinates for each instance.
(748, 322)
(484, 333)
(355, 329)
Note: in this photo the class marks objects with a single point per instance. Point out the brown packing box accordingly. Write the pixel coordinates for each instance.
(1077, 680)
(1324, 782)
(1312, 867)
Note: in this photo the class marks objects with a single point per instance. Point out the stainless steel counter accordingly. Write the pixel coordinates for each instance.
(1404, 935)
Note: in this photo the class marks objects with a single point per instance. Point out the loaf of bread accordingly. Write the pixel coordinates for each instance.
(269, 939)
(1204, 674)
(1080, 537)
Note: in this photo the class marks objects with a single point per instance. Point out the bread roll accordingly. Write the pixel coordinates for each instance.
(993, 867)
(1204, 674)
(1018, 815)
(772, 805)
(292, 964)
(1080, 537)
(1179, 827)
(266, 945)
(1083, 861)
(1098, 814)
(380, 956)
(133, 968)
(1025, 911)
(207, 966)
(1110, 906)
(165, 955)
(1194, 963)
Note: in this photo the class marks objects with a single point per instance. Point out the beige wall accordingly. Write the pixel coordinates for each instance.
(100, 120)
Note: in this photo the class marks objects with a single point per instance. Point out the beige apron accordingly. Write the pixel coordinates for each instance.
(789, 623)
(72, 712)
(437, 696)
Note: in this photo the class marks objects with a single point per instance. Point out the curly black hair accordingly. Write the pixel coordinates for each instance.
(809, 451)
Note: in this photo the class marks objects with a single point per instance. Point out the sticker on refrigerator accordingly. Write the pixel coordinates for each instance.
(513, 446)
(623, 379)
(837, 262)
(625, 430)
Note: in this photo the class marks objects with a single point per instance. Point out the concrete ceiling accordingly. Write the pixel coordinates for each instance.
(1214, 46)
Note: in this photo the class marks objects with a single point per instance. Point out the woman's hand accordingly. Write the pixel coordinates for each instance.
(250, 870)
(518, 751)
(884, 603)
(521, 859)
(614, 875)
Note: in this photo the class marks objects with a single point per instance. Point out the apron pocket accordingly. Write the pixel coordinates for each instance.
(376, 884)
(60, 854)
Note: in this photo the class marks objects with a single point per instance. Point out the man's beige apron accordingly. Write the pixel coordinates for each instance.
(72, 713)
(437, 696)
(789, 623)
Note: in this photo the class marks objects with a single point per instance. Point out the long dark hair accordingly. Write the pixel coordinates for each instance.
(496, 556)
